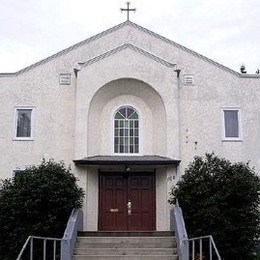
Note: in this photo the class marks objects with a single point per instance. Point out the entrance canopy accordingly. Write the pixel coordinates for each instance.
(115, 160)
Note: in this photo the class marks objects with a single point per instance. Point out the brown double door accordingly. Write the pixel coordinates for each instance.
(126, 201)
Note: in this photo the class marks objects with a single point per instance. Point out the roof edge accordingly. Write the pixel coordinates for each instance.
(251, 76)
(7, 74)
(127, 46)
(127, 160)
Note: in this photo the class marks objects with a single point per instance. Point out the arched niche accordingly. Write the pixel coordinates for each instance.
(126, 91)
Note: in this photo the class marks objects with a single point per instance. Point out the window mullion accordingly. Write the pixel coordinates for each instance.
(126, 135)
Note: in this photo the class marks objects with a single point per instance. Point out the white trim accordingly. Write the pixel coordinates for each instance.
(31, 138)
(240, 136)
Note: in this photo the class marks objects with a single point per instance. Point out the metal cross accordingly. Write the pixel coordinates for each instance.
(128, 10)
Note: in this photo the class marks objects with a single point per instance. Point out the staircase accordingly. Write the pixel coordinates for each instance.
(125, 245)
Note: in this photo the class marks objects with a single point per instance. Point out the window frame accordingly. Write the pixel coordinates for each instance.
(240, 136)
(31, 137)
(113, 131)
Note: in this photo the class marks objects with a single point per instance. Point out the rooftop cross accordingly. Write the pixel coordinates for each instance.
(128, 10)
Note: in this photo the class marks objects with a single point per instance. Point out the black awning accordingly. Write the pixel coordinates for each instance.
(155, 160)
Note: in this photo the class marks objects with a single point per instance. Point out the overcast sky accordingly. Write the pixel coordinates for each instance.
(227, 31)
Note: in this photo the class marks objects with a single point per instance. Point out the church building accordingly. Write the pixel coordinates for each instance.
(127, 109)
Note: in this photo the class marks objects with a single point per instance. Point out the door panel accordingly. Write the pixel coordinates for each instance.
(112, 200)
(142, 195)
(116, 190)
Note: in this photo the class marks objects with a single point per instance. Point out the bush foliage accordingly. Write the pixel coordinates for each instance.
(221, 199)
(37, 201)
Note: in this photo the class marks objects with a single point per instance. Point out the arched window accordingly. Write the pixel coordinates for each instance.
(126, 130)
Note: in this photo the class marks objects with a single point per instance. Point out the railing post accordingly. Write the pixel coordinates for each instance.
(210, 249)
(201, 249)
(44, 249)
(31, 249)
(65, 249)
(193, 249)
(54, 249)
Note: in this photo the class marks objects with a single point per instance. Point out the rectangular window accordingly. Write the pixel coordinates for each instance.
(23, 123)
(231, 124)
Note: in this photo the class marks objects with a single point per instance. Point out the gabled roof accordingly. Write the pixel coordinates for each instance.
(136, 26)
(131, 47)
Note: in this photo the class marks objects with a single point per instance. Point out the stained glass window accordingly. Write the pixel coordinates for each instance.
(23, 123)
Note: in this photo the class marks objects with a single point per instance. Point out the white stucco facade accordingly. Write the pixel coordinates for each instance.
(128, 65)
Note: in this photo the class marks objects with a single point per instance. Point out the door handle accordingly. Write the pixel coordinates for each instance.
(129, 207)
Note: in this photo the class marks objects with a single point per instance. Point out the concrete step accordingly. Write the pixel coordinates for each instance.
(167, 241)
(125, 251)
(125, 245)
(155, 244)
(127, 257)
(126, 233)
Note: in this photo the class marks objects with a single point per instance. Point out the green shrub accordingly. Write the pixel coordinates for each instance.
(37, 201)
(221, 199)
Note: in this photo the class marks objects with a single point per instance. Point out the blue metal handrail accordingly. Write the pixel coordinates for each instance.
(67, 242)
(212, 249)
(74, 225)
(183, 241)
(30, 241)
(180, 232)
